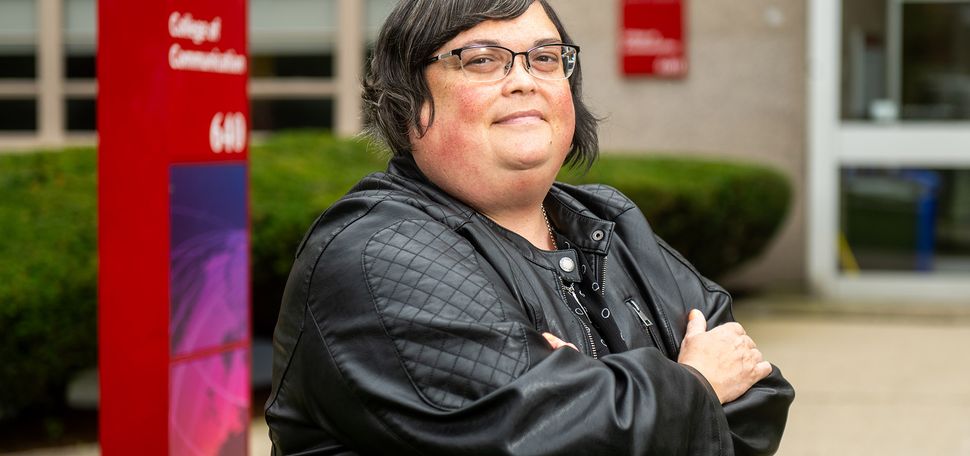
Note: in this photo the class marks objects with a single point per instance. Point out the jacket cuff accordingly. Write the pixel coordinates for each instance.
(701, 378)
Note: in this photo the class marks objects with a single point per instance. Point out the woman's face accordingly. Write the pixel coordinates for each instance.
(501, 143)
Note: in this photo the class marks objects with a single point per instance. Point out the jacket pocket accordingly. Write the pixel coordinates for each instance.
(647, 325)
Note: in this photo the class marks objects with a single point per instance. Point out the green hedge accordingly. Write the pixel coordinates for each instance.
(48, 274)
(717, 214)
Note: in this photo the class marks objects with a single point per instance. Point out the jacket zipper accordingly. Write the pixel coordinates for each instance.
(603, 278)
(647, 324)
(571, 291)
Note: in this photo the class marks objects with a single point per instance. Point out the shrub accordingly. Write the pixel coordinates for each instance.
(717, 214)
(48, 275)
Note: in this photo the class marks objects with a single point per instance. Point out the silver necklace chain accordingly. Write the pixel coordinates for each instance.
(552, 237)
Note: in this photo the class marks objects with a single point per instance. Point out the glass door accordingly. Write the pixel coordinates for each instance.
(890, 148)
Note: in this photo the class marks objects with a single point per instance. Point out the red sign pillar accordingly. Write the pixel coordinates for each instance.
(174, 338)
(653, 38)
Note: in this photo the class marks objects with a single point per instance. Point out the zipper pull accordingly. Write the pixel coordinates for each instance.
(647, 324)
(643, 317)
(572, 292)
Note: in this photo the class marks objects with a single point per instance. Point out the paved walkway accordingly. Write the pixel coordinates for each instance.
(870, 379)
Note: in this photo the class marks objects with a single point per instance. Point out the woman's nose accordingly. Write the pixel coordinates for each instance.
(519, 77)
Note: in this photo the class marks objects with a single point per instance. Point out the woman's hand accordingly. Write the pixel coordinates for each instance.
(725, 356)
(556, 342)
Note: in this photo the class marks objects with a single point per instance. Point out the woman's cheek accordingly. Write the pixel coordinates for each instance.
(565, 105)
(471, 108)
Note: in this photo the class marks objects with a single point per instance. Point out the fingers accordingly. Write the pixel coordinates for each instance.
(763, 369)
(747, 342)
(757, 355)
(696, 324)
(734, 327)
(556, 342)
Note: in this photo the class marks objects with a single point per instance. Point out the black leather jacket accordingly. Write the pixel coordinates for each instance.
(412, 325)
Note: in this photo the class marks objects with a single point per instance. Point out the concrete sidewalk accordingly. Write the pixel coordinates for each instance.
(870, 379)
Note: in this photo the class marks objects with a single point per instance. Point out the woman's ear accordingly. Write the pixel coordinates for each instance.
(427, 112)
(417, 132)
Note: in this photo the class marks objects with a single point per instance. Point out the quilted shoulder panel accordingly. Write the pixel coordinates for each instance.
(597, 200)
(443, 315)
(609, 198)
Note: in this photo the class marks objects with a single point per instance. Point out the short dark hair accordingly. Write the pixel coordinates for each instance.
(395, 87)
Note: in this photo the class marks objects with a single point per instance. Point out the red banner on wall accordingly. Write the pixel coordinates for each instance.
(653, 38)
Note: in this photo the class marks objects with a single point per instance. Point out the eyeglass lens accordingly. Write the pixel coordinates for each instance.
(489, 63)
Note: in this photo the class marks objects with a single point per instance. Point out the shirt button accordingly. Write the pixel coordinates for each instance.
(567, 264)
(598, 235)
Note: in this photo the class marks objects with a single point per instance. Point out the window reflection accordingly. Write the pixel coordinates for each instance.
(905, 60)
(864, 63)
(905, 220)
(936, 61)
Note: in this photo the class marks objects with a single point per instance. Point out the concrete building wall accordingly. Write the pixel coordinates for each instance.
(744, 98)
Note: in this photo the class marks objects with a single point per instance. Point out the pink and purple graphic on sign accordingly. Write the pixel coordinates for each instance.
(209, 405)
(209, 310)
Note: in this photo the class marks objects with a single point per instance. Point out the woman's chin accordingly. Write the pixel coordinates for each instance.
(525, 160)
(532, 154)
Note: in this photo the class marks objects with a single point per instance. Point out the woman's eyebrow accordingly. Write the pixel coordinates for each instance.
(481, 42)
(486, 42)
(546, 41)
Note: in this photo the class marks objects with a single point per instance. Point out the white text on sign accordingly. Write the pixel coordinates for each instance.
(228, 132)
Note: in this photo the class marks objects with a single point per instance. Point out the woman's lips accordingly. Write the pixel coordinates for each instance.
(521, 117)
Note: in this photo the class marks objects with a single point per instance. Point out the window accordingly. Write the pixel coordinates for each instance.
(905, 219)
(18, 37)
(81, 114)
(935, 61)
(277, 114)
(295, 38)
(18, 114)
(906, 60)
(17, 65)
(80, 38)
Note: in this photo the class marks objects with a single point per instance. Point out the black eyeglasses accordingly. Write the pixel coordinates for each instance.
(490, 63)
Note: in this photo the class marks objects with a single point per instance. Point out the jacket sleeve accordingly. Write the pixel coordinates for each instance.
(757, 419)
(393, 338)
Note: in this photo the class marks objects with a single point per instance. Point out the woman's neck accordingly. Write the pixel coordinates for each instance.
(529, 222)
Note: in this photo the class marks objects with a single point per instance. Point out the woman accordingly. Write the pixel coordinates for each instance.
(462, 302)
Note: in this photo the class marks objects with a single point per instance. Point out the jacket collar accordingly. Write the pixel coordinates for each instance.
(404, 165)
(569, 217)
(585, 230)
